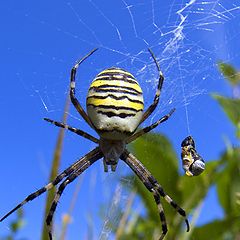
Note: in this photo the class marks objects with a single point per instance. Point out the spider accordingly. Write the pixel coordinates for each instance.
(115, 111)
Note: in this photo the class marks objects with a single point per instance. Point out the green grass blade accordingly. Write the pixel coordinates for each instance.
(54, 169)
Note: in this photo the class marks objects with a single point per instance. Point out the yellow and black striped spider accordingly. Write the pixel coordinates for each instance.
(114, 110)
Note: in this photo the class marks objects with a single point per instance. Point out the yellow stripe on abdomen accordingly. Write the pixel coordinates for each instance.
(109, 101)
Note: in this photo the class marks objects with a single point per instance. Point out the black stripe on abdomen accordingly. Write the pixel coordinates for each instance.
(118, 108)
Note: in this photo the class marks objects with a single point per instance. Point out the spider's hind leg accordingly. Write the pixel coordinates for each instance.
(154, 187)
(169, 200)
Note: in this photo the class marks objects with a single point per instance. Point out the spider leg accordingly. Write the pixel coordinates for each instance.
(152, 107)
(87, 161)
(50, 185)
(150, 128)
(74, 100)
(72, 129)
(154, 187)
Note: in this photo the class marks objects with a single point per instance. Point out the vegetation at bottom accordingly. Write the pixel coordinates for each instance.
(158, 155)
(156, 151)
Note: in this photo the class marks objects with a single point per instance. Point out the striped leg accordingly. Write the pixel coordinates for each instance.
(89, 159)
(74, 100)
(160, 190)
(152, 107)
(153, 186)
(150, 128)
(72, 129)
(161, 212)
(50, 185)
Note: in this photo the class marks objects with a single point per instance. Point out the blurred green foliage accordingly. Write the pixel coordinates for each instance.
(230, 73)
(231, 105)
(15, 226)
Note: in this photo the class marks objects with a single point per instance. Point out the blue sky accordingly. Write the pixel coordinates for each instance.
(41, 41)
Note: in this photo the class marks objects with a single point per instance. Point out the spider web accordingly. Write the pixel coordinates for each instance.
(187, 37)
(179, 40)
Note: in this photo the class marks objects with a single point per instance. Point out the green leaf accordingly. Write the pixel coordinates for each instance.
(16, 225)
(228, 186)
(217, 230)
(157, 154)
(230, 73)
(231, 107)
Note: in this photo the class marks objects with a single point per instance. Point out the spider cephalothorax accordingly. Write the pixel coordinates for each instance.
(114, 110)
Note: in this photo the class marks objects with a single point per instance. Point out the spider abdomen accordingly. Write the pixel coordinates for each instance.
(115, 103)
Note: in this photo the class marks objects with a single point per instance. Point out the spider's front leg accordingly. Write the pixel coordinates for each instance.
(152, 107)
(154, 187)
(74, 100)
(72, 129)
